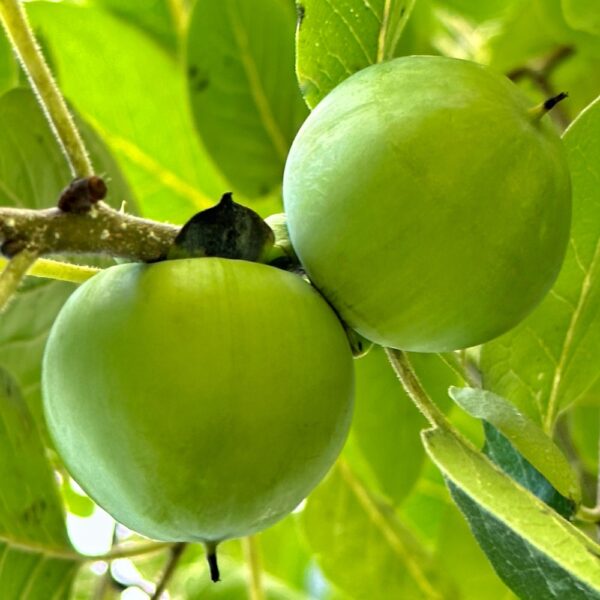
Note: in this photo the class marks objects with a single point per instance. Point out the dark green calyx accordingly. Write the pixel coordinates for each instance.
(227, 230)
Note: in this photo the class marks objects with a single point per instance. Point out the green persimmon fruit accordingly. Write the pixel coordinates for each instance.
(197, 399)
(429, 203)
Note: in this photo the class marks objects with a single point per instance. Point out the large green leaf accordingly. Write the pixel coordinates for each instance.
(34, 548)
(133, 93)
(386, 425)
(552, 18)
(33, 171)
(194, 584)
(536, 552)
(583, 15)
(9, 69)
(154, 17)
(243, 91)
(502, 452)
(543, 365)
(522, 433)
(336, 39)
(431, 514)
(363, 548)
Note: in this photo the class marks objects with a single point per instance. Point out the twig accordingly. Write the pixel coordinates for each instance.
(53, 104)
(102, 230)
(539, 71)
(176, 552)
(59, 553)
(13, 273)
(251, 548)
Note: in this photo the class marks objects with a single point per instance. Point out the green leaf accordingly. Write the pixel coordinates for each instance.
(552, 19)
(518, 39)
(77, 504)
(583, 15)
(134, 95)
(498, 448)
(430, 512)
(482, 10)
(34, 575)
(523, 434)
(284, 554)
(583, 423)
(9, 69)
(361, 545)
(33, 171)
(386, 425)
(34, 547)
(243, 91)
(543, 365)
(536, 552)
(192, 582)
(153, 17)
(36, 560)
(336, 39)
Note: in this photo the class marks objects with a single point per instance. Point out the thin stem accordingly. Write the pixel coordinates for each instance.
(53, 104)
(176, 553)
(251, 548)
(61, 271)
(130, 552)
(589, 515)
(13, 273)
(407, 376)
(125, 552)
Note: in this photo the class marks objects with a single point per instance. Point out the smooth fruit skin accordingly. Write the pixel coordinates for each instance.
(197, 399)
(427, 204)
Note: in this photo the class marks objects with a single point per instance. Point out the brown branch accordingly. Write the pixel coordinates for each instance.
(101, 230)
(176, 552)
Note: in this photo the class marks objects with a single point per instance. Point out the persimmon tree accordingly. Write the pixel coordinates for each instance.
(467, 474)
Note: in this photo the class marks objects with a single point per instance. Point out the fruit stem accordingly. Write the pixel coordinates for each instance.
(537, 112)
(14, 19)
(211, 558)
(416, 392)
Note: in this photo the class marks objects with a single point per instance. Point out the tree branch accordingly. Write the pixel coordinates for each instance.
(101, 230)
(176, 552)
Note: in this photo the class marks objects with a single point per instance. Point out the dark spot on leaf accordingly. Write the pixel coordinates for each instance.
(198, 79)
(402, 11)
(34, 512)
(200, 85)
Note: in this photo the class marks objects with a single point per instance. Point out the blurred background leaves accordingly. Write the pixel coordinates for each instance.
(383, 524)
